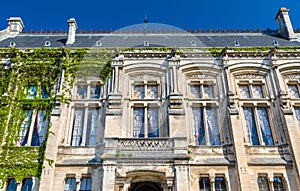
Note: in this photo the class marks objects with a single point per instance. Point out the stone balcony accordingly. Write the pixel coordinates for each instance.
(148, 148)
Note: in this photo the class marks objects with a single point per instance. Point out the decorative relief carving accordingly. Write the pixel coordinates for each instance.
(141, 77)
(249, 76)
(145, 144)
(200, 76)
(295, 76)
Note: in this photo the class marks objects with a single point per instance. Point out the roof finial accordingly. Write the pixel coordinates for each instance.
(146, 20)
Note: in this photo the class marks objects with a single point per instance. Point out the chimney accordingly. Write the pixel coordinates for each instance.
(72, 31)
(15, 25)
(285, 25)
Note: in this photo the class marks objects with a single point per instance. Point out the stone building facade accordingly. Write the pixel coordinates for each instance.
(190, 118)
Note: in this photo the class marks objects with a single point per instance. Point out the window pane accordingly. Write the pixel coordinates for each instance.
(45, 93)
(293, 90)
(278, 184)
(263, 184)
(212, 126)
(39, 128)
(81, 92)
(86, 184)
(257, 91)
(11, 185)
(153, 122)
(220, 184)
(139, 92)
(26, 184)
(251, 126)
(77, 127)
(244, 91)
(208, 91)
(152, 91)
(31, 93)
(204, 184)
(138, 122)
(297, 112)
(195, 90)
(24, 130)
(95, 92)
(198, 124)
(92, 127)
(70, 184)
(265, 126)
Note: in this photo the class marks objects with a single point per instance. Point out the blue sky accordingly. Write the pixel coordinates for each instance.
(116, 14)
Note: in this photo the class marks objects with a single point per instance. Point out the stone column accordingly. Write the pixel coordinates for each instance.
(239, 136)
(108, 178)
(182, 178)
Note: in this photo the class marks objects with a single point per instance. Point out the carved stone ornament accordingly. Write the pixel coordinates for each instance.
(200, 76)
(147, 77)
(295, 76)
(249, 76)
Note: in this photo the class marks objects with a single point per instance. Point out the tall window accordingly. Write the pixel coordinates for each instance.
(263, 183)
(39, 128)
(256, 118)
(27, 184)
(77, 127)
(258, 126)
(297, 113)
(24, 130)
(92, 126)
(206, 128)
(70, 184)
(145, 125)
(278, 184)
(11, 185)
(220, 184)
(86, 184)
(204, 184)
(89, 126)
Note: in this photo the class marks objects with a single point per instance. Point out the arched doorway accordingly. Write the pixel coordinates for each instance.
(145, 186)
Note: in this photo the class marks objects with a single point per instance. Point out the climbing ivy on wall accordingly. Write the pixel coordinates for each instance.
(19, 69)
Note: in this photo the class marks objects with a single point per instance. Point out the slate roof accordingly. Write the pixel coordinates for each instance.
(153, 40)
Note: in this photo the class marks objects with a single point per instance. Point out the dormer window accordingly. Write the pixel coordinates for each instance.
(146, 43)
(12, 44)
(47, 43)
(98, 43)
(236, 43)
(275, 43)
(193, 43)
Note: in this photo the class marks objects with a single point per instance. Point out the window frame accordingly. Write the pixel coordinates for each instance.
(145, 123)
(254, 109)
(31, 127)
(203, 109)
(265, 177)
(255, 103)
(145, 84)
(88, 85)
(86, 127)
(201, 84)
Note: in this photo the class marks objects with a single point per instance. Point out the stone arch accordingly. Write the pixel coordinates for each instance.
(147, 180)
